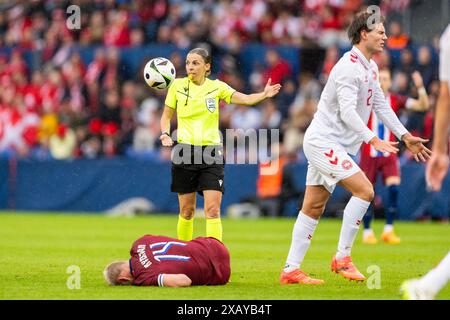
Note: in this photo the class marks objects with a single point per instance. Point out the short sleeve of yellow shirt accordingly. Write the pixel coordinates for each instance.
(198, 109)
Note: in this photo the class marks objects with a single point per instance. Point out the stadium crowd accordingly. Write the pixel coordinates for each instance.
(70, 108)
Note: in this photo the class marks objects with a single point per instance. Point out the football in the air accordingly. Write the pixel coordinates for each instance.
(159, 73)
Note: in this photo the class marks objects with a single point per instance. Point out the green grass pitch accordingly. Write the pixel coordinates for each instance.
(37, 249)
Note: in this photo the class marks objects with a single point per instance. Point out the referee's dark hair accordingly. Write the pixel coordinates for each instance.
(205, 55)
(361, 23)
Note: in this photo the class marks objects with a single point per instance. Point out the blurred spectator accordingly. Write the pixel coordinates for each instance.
(230, 74)
(64, 51)
(16, 64)
(96, 66)
(331, 58)
(93, 33)
(245, 117)
(75, 90)
(164, 34)
(407, 63)
(150, 14)
(383, 60)
(285, 28)
(147, 133)
(137, 37)
(124, 137)
(48, 126)
(393, 5)
(178, 62)
(18, 126)
(285, 98)
(275, 185)
(397, 39)
(75, 63)
(110, 139)
(256, 78)
(32, 94)
(50, 45)
(433, 93)
(19, 27)
(102, 99)
(91, 148)
(52, 91)
(110, 108)
(425, 65)
(271, 117)
(277, 68)
(264, 28)
(62, 144)
(112, 76)
(401, 83)
(301, 111)
(245, 120)
(118, 32)
(310, 24)
(331, 28)
(179, 38)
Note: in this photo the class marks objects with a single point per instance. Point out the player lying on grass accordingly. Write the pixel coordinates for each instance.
(168, 262)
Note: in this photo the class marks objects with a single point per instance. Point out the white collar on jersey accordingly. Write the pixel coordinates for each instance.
(360, 56)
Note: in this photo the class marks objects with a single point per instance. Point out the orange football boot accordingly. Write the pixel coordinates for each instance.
(298, 276)
(370, 238)
(346, 268)
(390, 237)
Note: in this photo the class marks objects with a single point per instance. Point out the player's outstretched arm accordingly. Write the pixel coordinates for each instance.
(254, 98)
(415, 145)
(176, 280)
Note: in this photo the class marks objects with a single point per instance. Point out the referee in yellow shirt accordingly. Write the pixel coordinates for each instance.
(197, 161)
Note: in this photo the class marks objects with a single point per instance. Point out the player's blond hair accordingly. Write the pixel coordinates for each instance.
(112, 272)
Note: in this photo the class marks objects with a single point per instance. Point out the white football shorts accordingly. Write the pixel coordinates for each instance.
(328, 163)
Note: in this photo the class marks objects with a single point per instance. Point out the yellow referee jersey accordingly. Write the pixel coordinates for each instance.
(198, 109)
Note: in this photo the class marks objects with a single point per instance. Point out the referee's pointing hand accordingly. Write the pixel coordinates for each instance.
(269, 90)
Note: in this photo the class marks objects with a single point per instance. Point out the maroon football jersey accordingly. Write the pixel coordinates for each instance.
(205, 261)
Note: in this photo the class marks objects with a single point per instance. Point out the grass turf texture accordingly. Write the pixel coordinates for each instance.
(37, 249)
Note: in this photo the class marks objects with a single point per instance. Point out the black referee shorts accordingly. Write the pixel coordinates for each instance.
(199, 168)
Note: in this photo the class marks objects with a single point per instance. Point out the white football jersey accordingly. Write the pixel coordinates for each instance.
(352, 90)
(444, 56)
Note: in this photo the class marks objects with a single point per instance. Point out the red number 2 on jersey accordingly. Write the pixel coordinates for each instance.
(370, 97)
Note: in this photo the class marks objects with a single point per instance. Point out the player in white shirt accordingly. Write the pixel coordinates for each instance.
(427, 287)
(338, 128)
(438, 166)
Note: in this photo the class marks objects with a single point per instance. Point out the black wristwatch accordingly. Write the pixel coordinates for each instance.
(165, 133)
